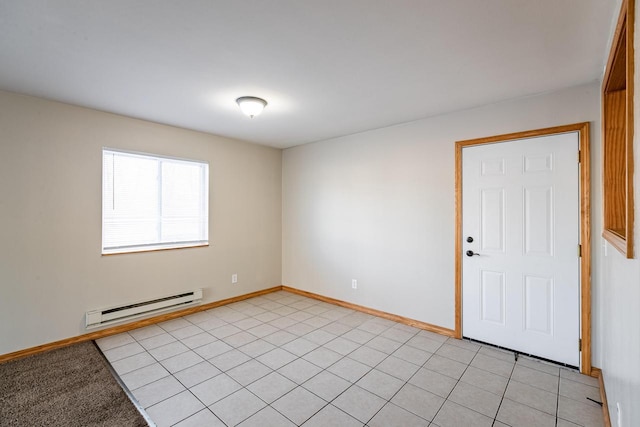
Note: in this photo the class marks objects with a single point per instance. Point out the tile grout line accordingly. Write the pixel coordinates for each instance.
(318, 325)
(422, 366)
(454, 387)
(276, 370)
(326, 369)
(128, 392)
(299, 357)
(360, 378)
(327, 403)
(343, 356)
(388, 355)
(173, 374)
(251, 358)
(504, 393)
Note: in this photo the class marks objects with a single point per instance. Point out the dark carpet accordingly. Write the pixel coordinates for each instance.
(70, 386)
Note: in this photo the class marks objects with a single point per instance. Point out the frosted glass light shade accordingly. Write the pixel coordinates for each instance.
(251, 106)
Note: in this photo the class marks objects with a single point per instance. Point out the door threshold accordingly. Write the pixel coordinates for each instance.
(519, 353)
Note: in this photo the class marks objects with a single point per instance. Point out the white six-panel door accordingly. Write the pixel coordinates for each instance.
(520, 206)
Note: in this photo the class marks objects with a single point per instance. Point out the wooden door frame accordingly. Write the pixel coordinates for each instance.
(585, 226)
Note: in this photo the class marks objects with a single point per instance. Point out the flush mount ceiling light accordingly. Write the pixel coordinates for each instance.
(251, 106)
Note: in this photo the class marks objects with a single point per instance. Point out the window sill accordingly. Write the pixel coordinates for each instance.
(617, 239)
(153, 249)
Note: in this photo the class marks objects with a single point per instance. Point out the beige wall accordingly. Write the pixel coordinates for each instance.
(379, 206)
(51, 270)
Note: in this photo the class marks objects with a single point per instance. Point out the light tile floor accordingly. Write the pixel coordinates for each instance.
(285, 360)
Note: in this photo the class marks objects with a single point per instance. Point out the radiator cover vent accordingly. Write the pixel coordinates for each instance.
(107, 316)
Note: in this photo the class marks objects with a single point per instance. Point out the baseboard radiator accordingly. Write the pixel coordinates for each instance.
(107, 316)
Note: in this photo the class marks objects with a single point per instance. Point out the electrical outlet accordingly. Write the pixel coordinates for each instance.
(354, 284)
(234, 278)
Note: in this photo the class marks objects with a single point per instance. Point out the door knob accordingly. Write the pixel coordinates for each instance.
(471, 253)
(470, 239)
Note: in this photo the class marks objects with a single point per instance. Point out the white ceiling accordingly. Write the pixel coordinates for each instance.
(326, 67)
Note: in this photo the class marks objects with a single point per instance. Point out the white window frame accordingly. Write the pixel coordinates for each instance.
(158, 245)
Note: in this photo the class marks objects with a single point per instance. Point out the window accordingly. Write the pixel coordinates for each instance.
(617, 146)
(152, 202)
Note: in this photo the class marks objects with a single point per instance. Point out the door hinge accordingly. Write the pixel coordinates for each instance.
(579, 156)
(579, 251)
(580, 344)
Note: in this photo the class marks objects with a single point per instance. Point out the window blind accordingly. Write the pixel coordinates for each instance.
(152, 202)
